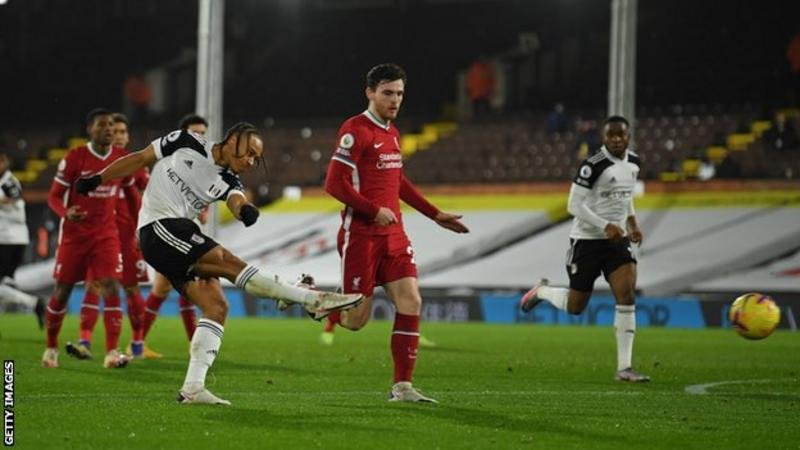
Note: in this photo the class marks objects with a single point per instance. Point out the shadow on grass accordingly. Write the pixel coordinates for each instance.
(303, 422)
(483, 418)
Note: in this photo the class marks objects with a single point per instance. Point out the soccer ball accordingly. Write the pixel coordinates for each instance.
(754, 316)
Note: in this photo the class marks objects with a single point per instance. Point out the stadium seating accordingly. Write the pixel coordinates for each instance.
(671, 143)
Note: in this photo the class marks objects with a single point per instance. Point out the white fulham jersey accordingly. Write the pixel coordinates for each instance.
(607, 183)
(13, 230)
(185, 179)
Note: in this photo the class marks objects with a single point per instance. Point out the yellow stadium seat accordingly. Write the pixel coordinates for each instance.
(54, 155)
(789, 112)
(408, 145)
(740, 141)
(35, 165)
(75, 142)
(690, 167)
(25, 176)
(671, 176)
(716, 154)
(759, 127)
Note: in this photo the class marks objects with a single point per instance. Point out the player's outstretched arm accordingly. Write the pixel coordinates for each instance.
(414, 198)
(451, 221)
(120, 168)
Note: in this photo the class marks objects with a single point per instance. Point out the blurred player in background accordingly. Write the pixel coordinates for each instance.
(191, 174)
(134, 269)
(601, 201)
(366, 174)
(13, 241)
(88, 238)
(161, 285)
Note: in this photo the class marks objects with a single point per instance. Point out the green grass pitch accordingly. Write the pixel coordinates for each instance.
(500, 386)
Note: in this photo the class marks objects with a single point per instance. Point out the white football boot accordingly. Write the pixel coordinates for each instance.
(115, 360)
(403, 391)
(529, 300)
(203, 396)
(631, 375)
(50, 358)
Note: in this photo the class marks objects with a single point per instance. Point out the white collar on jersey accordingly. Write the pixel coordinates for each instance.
(374, 119)
(97, 155)
(612, 157)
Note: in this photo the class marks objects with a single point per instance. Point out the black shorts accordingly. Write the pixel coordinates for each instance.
(587, 258)
(172, 246)
(10, 257)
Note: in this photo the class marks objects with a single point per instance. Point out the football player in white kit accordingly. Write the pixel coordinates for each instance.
(192, 174)
(13, 240)
(601, 201)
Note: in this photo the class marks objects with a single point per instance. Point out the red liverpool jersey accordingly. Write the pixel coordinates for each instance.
(100, 204)
(126, 222)
(371, 148)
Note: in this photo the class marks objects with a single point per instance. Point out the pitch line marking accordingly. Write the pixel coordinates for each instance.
(702, 389)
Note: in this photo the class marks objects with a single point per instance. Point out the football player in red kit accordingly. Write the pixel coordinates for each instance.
(134, 269)
(366, 174)
(88, 238)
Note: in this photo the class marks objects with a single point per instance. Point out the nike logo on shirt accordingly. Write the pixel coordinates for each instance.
(379, 145)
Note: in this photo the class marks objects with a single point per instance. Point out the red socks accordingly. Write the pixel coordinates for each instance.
(405, 340)
(54, 317)
(152, 305)
(136, 316)
(331, 321)
(90, 309)
(112, 317)
(188, 316)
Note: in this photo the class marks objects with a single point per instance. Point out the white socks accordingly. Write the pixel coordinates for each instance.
(261, 284)
(625, 327)
(557, 296)
(8, 293)
(205, 347)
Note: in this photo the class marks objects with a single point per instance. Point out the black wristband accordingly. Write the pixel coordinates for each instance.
(86, 185)
(248, 214)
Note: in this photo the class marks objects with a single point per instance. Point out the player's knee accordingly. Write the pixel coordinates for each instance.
(61, 294)
(627, 298)
(131, 291)
(109, 286)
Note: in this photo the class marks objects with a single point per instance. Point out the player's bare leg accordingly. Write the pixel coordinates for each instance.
(54, 317)
(623, 286)
(404, 293)
(158, 294)
(568, 300)
(356, 318)
(136, 306)
(90, 310)
(219, 262)
(112, 319)
(208, 296)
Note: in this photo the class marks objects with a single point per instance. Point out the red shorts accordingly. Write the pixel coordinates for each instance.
(74, 260)
(134, 269)
(373, 260)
